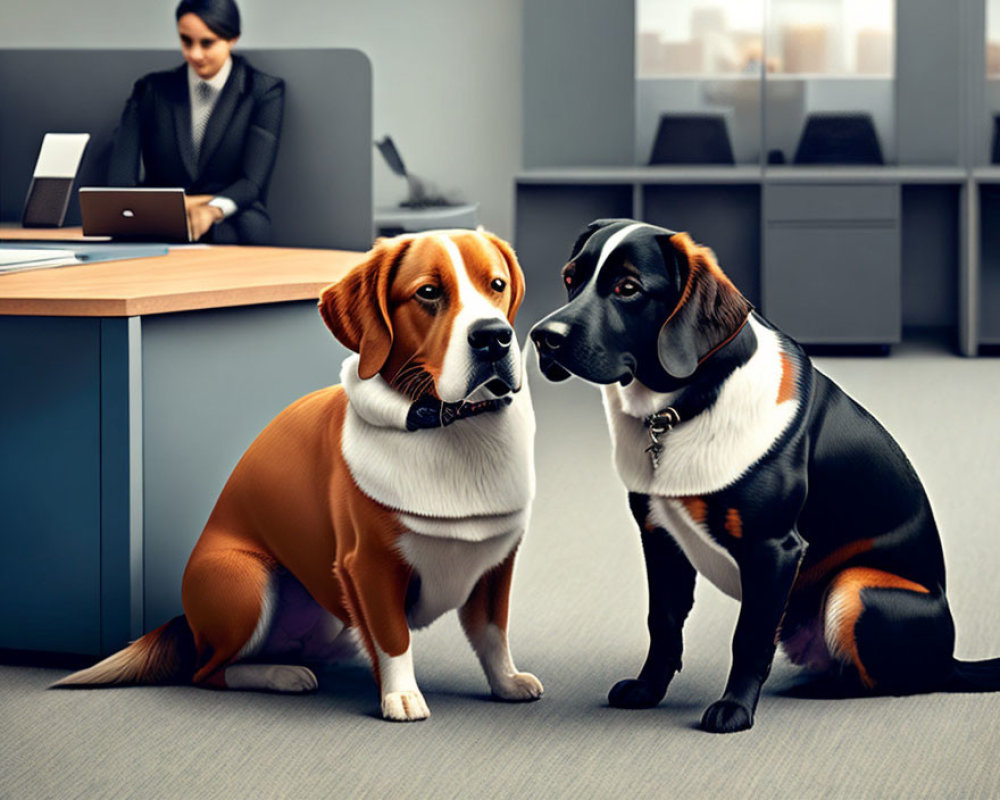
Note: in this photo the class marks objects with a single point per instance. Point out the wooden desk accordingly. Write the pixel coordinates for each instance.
(11, 231)
(184, 280)
(128, 391)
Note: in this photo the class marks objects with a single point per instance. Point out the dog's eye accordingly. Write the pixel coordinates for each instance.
(626, 287)
(498, 284)
(569, 278)
(429, 292)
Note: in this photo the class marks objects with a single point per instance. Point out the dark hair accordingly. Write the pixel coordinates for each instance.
(221, 16)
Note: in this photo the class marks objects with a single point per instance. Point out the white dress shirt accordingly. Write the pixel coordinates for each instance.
(201, 110)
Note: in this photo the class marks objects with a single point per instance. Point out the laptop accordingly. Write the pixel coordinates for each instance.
(136, 214)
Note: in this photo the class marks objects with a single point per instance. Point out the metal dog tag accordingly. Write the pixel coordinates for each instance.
(658, 425)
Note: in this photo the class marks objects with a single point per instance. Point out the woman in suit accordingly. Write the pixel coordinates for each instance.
(211, 126)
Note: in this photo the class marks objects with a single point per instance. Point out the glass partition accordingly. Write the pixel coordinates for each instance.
(698, 79)
(992, 121)
(827, 68)
(829, 95)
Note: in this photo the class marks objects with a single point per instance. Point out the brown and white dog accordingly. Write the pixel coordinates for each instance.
(371, 507)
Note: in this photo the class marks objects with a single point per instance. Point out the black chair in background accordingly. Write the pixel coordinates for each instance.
(839, 139)
(692, 139)
(995, 154)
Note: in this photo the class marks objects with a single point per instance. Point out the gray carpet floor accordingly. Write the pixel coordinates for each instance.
(578, 622)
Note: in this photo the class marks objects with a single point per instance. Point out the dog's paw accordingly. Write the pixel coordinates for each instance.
(634, 693)
(404, 707)
(271, 678)
(518, 688)
(294, 679)
(726, 716)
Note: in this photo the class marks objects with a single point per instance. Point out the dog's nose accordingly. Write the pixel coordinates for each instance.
(549, 336)
(490, 339)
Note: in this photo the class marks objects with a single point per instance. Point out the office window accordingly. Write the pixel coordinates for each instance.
(699, 37)
(831, 37)
(992, 100)
(993, 40)
(698, 71)
(829, 89)
(807, 72)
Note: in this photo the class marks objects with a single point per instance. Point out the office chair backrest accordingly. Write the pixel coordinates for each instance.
(692, 139)
(839, 139)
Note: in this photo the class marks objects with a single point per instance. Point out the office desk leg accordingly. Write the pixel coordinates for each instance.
(121, 482)
(968, 281)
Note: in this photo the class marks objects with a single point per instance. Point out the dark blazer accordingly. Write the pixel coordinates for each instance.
(237, 153)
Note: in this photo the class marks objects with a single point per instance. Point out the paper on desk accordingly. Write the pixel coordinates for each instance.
(17, 259)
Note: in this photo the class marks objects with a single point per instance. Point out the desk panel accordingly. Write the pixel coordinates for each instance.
(212, 380)
(117, 431)
(50, 484)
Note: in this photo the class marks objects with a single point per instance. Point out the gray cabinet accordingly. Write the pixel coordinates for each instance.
(831, 266)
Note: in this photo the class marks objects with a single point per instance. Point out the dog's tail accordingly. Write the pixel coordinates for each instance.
(166, 655)
(975, 676)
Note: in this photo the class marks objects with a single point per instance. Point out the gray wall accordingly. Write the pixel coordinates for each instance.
(930, 39)
(446, 74)
(579, 95)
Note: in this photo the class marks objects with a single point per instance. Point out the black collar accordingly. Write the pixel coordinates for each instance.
(429, 412)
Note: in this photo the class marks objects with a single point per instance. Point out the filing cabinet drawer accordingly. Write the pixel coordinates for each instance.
(818, 202)
(830, 285)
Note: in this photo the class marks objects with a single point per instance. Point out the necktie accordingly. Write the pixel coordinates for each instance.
(200, 114)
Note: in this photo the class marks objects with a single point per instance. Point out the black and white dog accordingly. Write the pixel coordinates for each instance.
(746, 464)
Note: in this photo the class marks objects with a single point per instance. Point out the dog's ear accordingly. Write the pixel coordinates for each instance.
(516, 274)
(356, 308)
(710, 310)
(589, 231)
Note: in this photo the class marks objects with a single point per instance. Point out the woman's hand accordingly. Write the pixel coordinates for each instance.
(201, 216)
(191, 200)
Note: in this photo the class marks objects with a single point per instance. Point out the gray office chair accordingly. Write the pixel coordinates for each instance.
(839, 139)
(692, 138)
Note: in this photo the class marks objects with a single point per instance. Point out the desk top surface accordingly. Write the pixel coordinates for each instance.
(741, 173)
(11, 231)
(186, 279)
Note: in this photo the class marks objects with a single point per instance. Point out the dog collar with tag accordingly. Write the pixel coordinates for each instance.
(658, 425)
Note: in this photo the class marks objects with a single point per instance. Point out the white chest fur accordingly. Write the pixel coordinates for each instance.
(711, 451)
(482, 466)
(705, 554)
(468, 529)
(449, 568)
